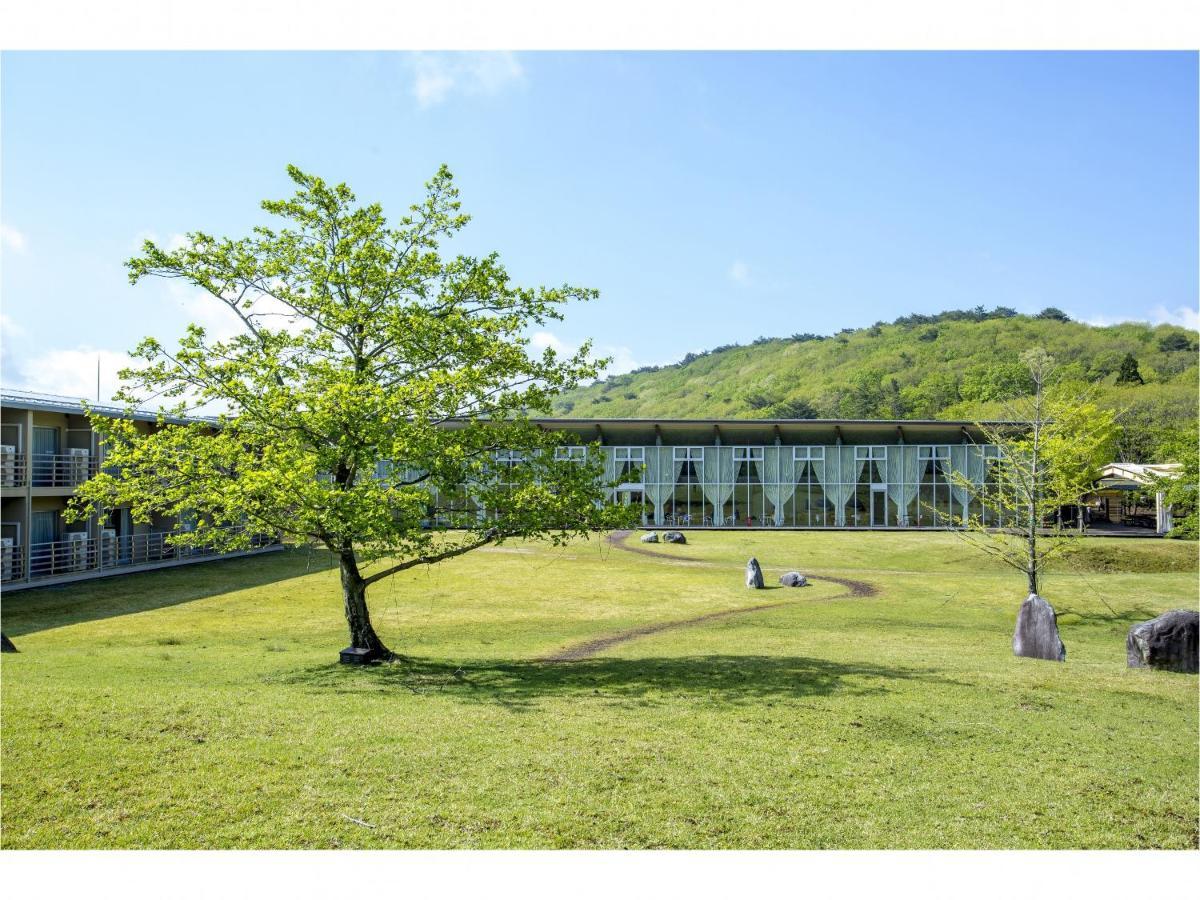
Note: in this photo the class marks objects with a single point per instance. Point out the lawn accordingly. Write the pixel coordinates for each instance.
(202, 707)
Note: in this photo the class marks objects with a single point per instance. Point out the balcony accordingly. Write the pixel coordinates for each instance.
(61, 470)
(14, 468)
(62, 559)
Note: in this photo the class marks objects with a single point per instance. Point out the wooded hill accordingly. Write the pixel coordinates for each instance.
(961, 364)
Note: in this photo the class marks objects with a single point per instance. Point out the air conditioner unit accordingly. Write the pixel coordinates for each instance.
(6, 559)
(8, 465)
(77, 459)
(108, 546)
(77, 547)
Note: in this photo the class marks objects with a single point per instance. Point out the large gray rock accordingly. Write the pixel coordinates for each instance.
(1172, 641)
(754, 577)
(792, 579)
(674, 537)
(1037, 631)
(649, 538)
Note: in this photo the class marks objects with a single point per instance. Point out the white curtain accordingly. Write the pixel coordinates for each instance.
(839, 479)
(968, 462)
(779, 480)
(903, 473)
(661, 476)
(610, 463)
(717, 480)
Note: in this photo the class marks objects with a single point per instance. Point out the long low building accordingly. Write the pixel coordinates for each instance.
(788, 473)
(47, 449)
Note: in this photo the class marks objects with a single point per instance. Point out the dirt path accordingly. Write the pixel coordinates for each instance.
(617, 539)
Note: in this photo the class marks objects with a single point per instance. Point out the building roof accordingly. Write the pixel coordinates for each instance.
(765, 431)
(1134, 476)
(72, 406)
(636, 431)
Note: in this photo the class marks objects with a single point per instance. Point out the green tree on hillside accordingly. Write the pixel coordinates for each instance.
(996, 381)
(1129, 373)
(1054, 314)
(371, 378)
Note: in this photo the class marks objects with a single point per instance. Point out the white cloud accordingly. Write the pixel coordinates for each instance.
(739, 272)
(71, 373)
(9, 331)
(13, 240)
(438, 75)
(171, 244)
(622, 357)
(1186, 316)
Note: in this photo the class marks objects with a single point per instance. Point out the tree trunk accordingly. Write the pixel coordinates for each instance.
(354, 596)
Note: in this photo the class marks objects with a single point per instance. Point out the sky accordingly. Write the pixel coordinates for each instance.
(710, 197)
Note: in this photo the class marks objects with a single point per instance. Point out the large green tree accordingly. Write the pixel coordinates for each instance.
(371, 379)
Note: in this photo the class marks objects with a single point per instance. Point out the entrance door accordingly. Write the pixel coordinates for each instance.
(878, 506)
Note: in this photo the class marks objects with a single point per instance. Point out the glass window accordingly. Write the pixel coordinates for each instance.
(630, 462)
(808, 453)
(577, 454)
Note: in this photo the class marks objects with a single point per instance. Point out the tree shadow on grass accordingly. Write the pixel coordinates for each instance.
(56, 606)
(646, 681)
(1130, 616)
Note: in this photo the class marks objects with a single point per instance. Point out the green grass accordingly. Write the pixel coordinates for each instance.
(201, 707)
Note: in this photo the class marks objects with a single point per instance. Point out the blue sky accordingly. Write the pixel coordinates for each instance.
(711, 197)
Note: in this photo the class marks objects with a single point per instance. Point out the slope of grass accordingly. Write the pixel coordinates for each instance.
(201, 707)
(948, 370)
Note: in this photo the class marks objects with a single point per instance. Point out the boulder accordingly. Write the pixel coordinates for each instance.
(754, 577)
(649, 538)
(1169, 642)
(674, 537)
(1037, 631)
(792, 579)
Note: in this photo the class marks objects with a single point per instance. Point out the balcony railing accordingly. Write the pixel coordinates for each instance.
(14, 469)
(52, 560)
(61, 470)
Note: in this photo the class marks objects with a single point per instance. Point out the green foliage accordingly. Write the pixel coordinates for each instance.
(1129, 373)
(968, 371)
(1179, 445)
(1051, 460)
(995, 381)
(1177, 341)
(933, 394)
(797, 408)
(360, 340)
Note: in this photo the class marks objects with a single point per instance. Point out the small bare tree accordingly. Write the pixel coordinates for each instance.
(1048, 453)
